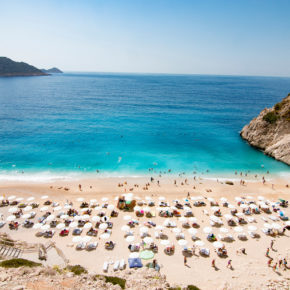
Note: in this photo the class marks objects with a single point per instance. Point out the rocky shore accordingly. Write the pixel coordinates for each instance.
(270, 131)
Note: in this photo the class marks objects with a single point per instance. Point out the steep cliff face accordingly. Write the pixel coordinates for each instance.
(270, 131)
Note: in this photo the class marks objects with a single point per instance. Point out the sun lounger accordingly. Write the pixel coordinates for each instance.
(242, 236)
(122, 264)
(116, 265)
(92, 246)
(105, 266)
(156, 235)
(81, 246)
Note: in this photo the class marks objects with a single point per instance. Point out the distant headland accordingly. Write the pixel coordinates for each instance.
(10, 68)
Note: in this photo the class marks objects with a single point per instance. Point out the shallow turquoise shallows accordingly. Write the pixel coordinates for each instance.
(123, 124)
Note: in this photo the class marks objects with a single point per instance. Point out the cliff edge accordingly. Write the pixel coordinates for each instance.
(270, 131)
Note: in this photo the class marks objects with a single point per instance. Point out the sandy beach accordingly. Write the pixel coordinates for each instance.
(249, 271)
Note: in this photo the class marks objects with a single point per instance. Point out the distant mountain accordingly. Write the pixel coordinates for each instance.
(53, 70)
(10, 68)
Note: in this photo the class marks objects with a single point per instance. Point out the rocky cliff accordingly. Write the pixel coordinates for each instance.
(270, 131)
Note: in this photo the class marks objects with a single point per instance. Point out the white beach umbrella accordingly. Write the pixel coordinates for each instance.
(45, 227)
(64, 216)
(244, 205)
(287, 223)
(210, 199)
(77, 217)
(143, 230)
(199, 243)
(11, 197)
(93, 200)
(276, 226)
(159, 227)
(224, 230)
(105, 219)
(60, 226)
(103, 226)
(228, 216)
(85, 217)
(80, 199)
(218, 244)
(130, 239)
(252, 228)
(183, 219)
(192, 231)
(96, 218)
(249, 197)
(223, 199)
(84, 209)
(50, 217)
(215, 208)
(253, 206)
(37, 226)
(267, 226)
(67, 206)
(176, 230)
(182, 242)
(137, 208)
(86, 239)
(192, 219)
(19, 199)
(97, 208)
(147, 209)
(11, 218)
(104, 236)
(105, 199)
(73, 224)
(148, 240)
(111, 207)
(44, 208)
(77, 239)
(13, 209)
(239, 214)
(238, 229)
(164, 242)
(231, 206)
(161, 198)
(148, 198)
(238, 199)
(57, 208)
(26, 216)
(127, 217)
(207, 230)
(261, 197)
(125, 228)
(134, 255)
(44, 197)
(1, 198)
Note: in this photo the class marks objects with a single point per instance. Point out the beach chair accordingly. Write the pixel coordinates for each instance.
(242, 237)
(92, 246)
(106, 266)
(156, 235)
(116, 265)
(80, 246)
(122, 264)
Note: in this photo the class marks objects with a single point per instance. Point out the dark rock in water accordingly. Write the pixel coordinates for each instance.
(270, 131)
(10, 68)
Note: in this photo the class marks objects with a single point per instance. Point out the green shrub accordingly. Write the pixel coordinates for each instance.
(77, 269)
(16, 263)
(278, 106)
(116, 281)
(174, 288)
(192, 287)
(271, 117)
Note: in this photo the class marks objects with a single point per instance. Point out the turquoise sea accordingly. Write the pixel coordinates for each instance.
(123, 124)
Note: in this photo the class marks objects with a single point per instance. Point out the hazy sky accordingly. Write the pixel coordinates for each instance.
(247, 37)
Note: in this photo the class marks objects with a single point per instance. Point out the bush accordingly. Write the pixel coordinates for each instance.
(271, 117)
(77, 269)
(278, 106)
(115, 281)
(16, 263)
(192, 287)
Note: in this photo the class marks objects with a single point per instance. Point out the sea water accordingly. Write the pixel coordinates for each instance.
(123, 124)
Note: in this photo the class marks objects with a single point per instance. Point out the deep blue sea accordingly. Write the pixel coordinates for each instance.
(123, 124)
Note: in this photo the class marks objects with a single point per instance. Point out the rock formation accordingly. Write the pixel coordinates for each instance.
(270, 131)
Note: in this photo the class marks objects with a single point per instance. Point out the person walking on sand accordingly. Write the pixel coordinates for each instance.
(267, 252)
(213, 263)
(185, 261)
(272, 244)
(229, 265)
(275, 267)
(270, 262)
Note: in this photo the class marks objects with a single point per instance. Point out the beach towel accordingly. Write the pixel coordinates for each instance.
(135, 263)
